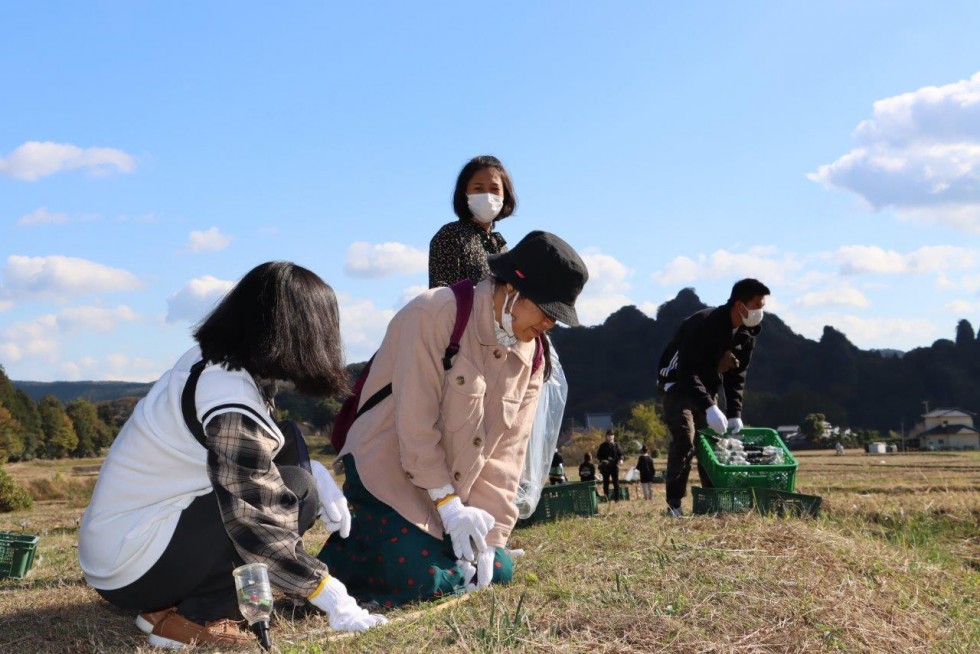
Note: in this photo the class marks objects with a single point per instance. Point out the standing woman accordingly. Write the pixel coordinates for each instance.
(193, 486)
(433, 468)
(483, 195)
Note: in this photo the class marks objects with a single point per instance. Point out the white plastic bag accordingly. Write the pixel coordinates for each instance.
(544, 438)
(632, 474)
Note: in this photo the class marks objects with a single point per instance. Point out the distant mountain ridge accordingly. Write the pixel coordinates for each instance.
(613, 365)
(93, 391)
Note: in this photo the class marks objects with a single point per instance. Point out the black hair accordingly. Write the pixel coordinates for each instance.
(610, 432)
(746, 289)
(644, 450)
(588, 457)
(280, 321)
(460, 205)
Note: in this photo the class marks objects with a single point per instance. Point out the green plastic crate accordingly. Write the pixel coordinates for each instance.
(624, 492)
(766, 501)
(721, 500)
(16, 554)
(576, 498)
(782, 504)
(780, 477)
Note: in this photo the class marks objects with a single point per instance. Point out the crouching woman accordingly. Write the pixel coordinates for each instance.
(432, 469)
(192, 487)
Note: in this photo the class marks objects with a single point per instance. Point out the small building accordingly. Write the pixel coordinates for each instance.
(787, 431)
(948, 429)
(877, 448)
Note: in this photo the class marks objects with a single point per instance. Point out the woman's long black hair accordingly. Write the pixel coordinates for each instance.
(280, 321)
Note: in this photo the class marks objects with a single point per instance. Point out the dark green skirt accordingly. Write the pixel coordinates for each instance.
(391, 561)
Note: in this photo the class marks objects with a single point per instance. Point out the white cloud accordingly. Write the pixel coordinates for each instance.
(35, 159)
(211, 240)
(6, 305)
(362, 326)
(842, 295)
(197, 298)
(919, 154)
(877, 333)
(860, 259)
(962, 307)
(98, 319)
(374, 260)
(112, 367)
(41, 216)
(606, 290)
(37, 338)
(62, 277)
(762, 263)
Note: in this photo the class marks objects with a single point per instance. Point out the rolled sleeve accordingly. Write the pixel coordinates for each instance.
(260, 513)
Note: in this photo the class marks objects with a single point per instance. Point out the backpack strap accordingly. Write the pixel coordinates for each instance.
(538, 354)
(294, 450)
(463, 290)
(188, 405)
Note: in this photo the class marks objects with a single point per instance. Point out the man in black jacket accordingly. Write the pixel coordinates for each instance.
(610, 456)
(711, 349)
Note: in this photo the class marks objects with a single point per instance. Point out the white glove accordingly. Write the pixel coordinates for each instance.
(342, 610)
(468, 570)
(333, 504)
(717, 419)
(484, 568)
(467, 527)
(735, 425)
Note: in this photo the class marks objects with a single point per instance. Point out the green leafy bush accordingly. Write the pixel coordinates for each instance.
(12, 496)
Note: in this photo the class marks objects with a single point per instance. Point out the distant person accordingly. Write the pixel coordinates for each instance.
(840, 449)
(484, 195)
(644, 465)
(195, 484)
(556, 475)
(711, 349)
(433, 467)
(610, 456)
(586, 470)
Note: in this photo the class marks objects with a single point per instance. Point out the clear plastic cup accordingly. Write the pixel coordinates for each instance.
(254, 592)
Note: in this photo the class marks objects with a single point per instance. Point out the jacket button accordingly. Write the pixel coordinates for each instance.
(497, 354)
(478, 441)
(460, 380)
(457, 476)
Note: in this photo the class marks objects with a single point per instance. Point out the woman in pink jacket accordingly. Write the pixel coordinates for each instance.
(432, 470)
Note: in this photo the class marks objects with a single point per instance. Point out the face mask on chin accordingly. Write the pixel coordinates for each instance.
(753, 317)
(485, 207)
(505, 330)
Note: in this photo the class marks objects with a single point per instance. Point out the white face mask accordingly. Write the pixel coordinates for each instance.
(485, 206)
(505, 330)
(753, 318)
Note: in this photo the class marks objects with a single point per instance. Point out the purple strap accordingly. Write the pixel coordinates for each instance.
(463, 290)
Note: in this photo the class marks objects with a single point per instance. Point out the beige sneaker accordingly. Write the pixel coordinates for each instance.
(174, 631)
(147, 619)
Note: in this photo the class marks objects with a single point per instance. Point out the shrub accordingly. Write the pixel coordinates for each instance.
(12, 496)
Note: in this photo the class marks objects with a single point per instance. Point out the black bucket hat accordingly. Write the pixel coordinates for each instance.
(547, 271)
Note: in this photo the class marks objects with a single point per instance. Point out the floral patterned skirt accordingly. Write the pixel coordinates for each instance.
(391, 561)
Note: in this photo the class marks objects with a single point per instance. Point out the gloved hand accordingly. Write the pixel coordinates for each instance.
(735, 425)
(484, 568)
(344, 613)
(717, 419)
(467, 527)
(333, 504)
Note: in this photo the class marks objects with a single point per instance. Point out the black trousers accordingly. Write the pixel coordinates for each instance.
(194, 572)
(611, 474)
(683, 420)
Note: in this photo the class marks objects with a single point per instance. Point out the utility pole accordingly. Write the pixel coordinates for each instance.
(903, 435)
(925, 403)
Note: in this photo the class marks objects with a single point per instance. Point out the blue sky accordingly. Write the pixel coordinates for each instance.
(152, 153)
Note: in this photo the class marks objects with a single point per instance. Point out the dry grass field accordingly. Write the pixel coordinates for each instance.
(892, 565)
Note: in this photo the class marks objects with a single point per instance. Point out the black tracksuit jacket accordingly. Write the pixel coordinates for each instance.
(692, 359)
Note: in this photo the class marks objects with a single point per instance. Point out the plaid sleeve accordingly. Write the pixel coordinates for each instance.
(261, 515)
